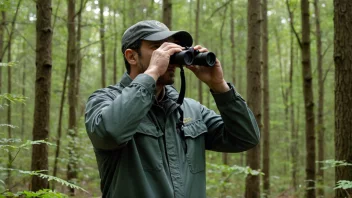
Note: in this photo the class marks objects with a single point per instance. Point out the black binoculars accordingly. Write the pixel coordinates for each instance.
(189, 56)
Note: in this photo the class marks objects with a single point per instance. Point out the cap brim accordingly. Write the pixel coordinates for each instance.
(183, 37)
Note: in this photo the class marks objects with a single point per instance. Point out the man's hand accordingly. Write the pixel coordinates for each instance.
(212, 76)
(160, 59)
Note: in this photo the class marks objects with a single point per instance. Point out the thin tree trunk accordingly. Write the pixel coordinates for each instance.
(254, 94)
(9, 88)
(102, 42)
(233, 43)
(343, 94)
(72, 65)
(59, 127)
(23, 107)
(167, 13)
(284, 93)
(42, 91)
(114, 75)
(294, 133)
(266, 99)
(308, 100)
(9, 109)
(2, 28)
(320, 128)
(200, 84)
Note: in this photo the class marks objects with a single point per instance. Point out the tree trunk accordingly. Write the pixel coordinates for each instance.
(233, 43)
(9, 109)
(167, 13)
(102, 42)
(2, 30)
(59, 126)
(23, 107)
(72, 100)
(343, 94)
(294, 133)
(200, 85)
(9, 89)
(266, 99)
(42, 91)
(320, 127)
(114, 75)
(308, 100)
(254, 94)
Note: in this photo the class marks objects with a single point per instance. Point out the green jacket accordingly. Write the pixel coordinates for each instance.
(139, 151)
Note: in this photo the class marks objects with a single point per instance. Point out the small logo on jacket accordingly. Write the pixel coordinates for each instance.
(185, 120)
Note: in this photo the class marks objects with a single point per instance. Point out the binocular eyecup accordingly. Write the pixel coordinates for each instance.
(189, 56)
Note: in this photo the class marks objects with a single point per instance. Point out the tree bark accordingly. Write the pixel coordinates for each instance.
(167, 13)
(343, 94)
(200, 84)
(320, 127)
(294, 133)
(254, 94)
(72, 97)
(114, 75)
(42, 91)
(2, 28)
(102, 44)
(308, 100)
(266, 99)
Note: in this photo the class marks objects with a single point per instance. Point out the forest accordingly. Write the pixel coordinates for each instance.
(291, 60)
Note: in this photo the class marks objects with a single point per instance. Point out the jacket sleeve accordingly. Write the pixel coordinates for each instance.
(111, 118)
(236, 129)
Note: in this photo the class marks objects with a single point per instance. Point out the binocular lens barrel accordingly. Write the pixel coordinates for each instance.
(182, 58)
(205, 59)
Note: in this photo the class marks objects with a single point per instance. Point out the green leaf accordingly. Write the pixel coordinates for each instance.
(44, 176)
(343, 184)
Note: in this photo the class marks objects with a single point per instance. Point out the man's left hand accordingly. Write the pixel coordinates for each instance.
(212, 76)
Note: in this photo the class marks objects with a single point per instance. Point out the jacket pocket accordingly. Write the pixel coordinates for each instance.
(195, 142)
(148, 142)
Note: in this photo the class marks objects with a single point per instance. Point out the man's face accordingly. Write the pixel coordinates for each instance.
(147, 48)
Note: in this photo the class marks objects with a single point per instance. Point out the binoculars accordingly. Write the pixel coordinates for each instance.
(189, 56)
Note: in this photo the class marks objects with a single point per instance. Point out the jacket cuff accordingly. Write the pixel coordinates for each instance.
(228, 96)
(146, 81)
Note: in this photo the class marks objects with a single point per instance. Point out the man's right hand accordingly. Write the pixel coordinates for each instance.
(159, 61)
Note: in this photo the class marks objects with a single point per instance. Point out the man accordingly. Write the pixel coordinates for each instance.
(142, 147)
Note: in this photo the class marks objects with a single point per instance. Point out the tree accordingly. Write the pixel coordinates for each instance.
(102, 44)
(254, 94)
(196, 37)
(72, 95)
(42, 91)
(2, 29)
(343, 93)
(266, 99)
(167, 13)
(320, 126)
(308, 100)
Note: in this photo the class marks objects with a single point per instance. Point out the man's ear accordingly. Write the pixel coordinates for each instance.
(131, 56)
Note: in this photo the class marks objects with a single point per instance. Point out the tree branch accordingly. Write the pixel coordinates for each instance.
(292, 25)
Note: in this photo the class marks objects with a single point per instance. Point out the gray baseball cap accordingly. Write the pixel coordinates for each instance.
(151, 30)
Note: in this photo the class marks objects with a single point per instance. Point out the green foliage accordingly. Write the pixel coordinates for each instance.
(44, 176)
(343, 184)
(5, 5)
(334, 163)
(43, 193)
(12, 98)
